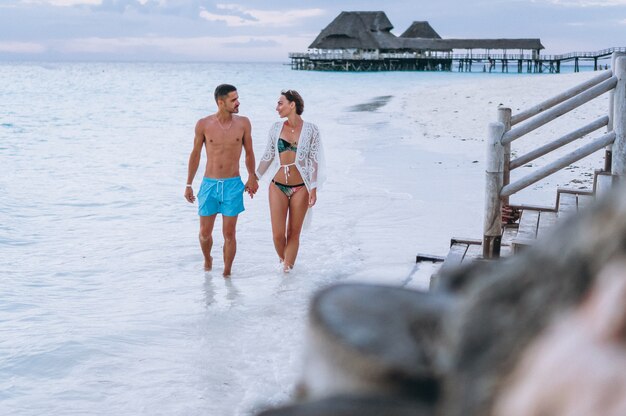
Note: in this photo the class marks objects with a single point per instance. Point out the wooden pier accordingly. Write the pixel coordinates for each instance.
(503, 63)
(362, 41)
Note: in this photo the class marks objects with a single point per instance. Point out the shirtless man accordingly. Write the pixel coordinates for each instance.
(223, 134)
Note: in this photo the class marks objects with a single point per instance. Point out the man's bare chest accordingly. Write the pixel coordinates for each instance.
(224, 140)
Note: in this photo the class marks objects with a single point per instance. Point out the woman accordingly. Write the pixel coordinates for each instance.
(294, 158)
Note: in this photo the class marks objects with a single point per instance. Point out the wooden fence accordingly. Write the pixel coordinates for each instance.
(509, 128)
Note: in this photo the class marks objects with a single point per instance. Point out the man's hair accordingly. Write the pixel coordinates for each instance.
(223, 90)
(294, 97)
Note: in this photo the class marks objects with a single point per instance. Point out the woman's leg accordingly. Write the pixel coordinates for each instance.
(298, 205)
(279, 203)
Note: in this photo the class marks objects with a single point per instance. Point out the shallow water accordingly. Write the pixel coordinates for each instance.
(105, 308)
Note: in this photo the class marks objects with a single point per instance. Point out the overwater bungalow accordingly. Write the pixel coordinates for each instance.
(362, 41)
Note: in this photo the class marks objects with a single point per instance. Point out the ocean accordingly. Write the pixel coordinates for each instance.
(104, 306)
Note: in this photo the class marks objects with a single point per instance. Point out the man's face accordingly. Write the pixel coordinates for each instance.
(230, 103)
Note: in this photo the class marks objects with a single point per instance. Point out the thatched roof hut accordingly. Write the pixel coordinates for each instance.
(371, 31)
(357, 30)
(420, 30)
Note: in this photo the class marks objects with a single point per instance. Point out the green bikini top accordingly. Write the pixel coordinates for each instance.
(284, 145)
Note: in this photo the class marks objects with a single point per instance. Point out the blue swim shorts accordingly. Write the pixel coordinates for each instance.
(223, 196)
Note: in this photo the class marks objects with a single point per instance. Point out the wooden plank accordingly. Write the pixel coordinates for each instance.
(568, 138)
(567, 204)
(551, 102)
(558, 164)
(506, 251)
(527, 231)
(474, 251)
(574, 191)
(546, 221)
(465, 240)
(455, 255)
(604, 182)
(559, 110)
(509, 234)
(528, 225)
(533, 207)
(584, 201)
(428, 257)
(521, 243)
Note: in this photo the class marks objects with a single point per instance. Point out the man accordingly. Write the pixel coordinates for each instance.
(224, 135)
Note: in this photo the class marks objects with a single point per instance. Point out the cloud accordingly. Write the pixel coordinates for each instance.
(252, 43)
(21, 47)
(235, 15)
(230, 20)
(584, 3)
(63, 3)
(262, 48)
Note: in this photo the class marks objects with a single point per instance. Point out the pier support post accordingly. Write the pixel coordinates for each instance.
(494, 176)
(618, 167)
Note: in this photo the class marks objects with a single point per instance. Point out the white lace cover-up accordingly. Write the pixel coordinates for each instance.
(309, 157)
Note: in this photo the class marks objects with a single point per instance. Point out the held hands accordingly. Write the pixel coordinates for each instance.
(312, 197)
(252, 186)
(189, 195)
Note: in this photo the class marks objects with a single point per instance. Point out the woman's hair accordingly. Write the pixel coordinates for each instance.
(294, 97)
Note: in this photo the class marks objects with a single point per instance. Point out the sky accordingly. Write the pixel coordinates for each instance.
(258, 31)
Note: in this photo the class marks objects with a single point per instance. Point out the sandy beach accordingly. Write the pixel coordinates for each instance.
(432, 156)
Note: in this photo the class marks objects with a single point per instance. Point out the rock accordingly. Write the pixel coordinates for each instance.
(373, 339)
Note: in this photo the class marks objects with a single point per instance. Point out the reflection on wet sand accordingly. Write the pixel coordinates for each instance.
(372, 105)
(211, 295)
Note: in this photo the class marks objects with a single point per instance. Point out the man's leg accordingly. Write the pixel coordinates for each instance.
(229, 225)
(206, 239)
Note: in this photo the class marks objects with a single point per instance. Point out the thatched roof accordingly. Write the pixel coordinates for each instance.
(420, 30)
(372, 30)
(362, 30)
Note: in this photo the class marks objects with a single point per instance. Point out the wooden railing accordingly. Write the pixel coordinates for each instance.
(509, 128)
(345, 55)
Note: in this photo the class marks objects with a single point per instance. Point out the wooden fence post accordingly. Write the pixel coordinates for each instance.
(504, 117)
(619, 119)
(609, 149)
(494, 177)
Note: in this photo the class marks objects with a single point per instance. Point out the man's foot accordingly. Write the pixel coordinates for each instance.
(208, 264)
(226, 274)
(287, 267)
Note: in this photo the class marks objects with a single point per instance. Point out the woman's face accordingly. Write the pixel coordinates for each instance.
(284, 107)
